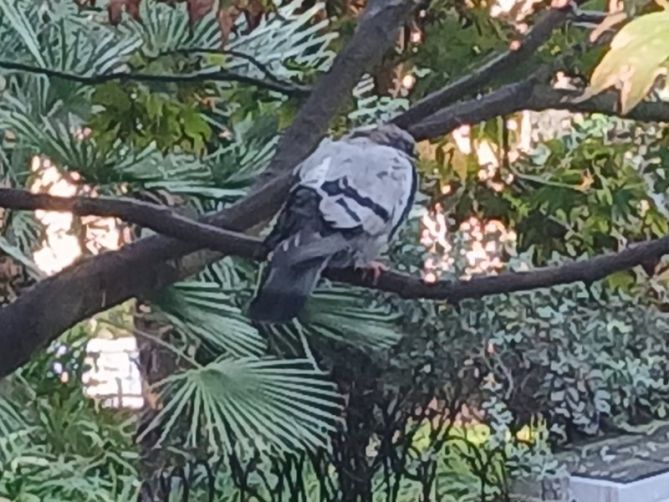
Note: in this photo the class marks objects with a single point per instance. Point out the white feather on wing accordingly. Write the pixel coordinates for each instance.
(361, 184)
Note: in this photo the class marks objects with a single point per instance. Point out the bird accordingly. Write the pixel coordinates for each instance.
(346, 203)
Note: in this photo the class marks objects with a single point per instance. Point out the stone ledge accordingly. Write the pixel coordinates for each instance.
(631, 467)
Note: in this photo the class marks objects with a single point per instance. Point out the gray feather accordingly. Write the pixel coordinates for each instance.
(285, 290)
(374, 173)
(349, 198)
(321, 248)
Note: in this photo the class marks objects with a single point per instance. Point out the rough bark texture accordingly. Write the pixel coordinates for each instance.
(155, 363)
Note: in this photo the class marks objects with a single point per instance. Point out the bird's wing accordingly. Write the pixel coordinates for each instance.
(362, 185)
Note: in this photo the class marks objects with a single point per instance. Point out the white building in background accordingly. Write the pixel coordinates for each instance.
(114, 377)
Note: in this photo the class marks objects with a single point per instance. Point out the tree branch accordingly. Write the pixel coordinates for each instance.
(472, 82)
(158, 218)
(530, 94)
(508, 99)
(375, 34)
(98, 283)
(162, 219)
(544, 97)
(287, 88)
(587, 271)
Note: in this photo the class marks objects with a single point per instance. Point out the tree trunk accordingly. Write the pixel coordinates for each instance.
(155, 363)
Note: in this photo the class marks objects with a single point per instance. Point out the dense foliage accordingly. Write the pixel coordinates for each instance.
(371, 396)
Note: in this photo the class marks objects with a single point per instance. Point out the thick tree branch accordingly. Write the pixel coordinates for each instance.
(508, 99)
(376, 33)
(587, 271)
(287, 88)
(544, 97)
(163, 219)
(406, 286)
(93, 285)
(530, 94)
(472, 82)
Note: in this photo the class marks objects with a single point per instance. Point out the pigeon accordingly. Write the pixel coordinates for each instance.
(348, 199)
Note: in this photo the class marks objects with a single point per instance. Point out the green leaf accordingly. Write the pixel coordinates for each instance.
(204, 312)
(23, 26)
(636, 58)
(269, 404)
(196, 128)
(346, 316)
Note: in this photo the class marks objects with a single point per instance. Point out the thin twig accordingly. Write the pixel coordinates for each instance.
(288, 89)
(229, 52)
(475, 80)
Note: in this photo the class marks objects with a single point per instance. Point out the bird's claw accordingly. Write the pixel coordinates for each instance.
(375, 268)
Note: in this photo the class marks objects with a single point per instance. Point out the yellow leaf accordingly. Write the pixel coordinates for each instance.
(585, 183)
(216, 59)
(460, 164)
(635, 60)
(609, 22)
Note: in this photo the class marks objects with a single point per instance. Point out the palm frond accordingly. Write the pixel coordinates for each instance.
(53, 478)
(223, 175)
(16, 253)
(87, 49)
(250, 403)
(204, 312)
(250, 150)
(59, 446)
(370, 107)
(15, 431)
(17, 17)
(166, 29)
(346, 316)
(231, 274)
(286, 37)
(54, 139)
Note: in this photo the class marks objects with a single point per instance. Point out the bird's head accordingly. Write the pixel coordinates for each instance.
(389, 135)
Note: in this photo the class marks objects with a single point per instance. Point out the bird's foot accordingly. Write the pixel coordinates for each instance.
(375, 268)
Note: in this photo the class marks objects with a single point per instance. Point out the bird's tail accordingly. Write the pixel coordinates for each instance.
(284, 290)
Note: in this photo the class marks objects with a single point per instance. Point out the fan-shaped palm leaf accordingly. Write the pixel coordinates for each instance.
(268, 404)
(55, 139)
(288, 35)
(343, 315)
(16, 15)
(371, 108)
(204, 312)
(15, 432)
(167, 29)
(87, 49)
(16, 253)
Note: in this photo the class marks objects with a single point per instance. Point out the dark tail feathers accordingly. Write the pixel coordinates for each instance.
(285, 290)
